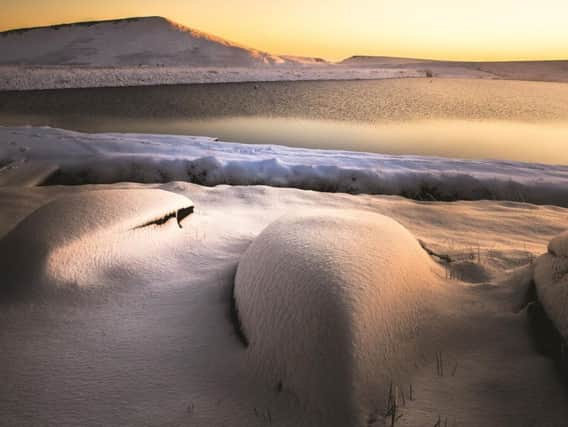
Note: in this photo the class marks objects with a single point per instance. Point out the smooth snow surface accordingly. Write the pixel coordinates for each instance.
(153, 341)
(109, 158)
(551, 279)
(327, 299)
(90, 239)
(510, 70)
(111, 314)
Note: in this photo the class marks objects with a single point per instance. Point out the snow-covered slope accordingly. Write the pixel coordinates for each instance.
(128, 42)
(510, 70)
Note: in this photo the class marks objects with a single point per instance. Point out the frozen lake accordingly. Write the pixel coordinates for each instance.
(462, 118)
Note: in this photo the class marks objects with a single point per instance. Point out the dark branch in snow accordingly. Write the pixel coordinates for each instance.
(179, 215)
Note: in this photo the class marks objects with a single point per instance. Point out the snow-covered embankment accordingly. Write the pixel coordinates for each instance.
(106, 158)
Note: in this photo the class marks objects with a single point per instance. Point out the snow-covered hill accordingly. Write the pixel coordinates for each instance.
(510, 70)
(129, 42)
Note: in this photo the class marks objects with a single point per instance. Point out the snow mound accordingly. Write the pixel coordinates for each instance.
(153, 41)
(559, 245)
(551, 280)
(327, 300)
(78, 239)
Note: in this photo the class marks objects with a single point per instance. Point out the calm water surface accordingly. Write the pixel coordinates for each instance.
(475, 119)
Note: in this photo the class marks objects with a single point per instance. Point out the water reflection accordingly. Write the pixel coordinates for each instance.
(543, 142)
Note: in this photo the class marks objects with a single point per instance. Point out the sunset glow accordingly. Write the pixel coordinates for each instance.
(335, 29)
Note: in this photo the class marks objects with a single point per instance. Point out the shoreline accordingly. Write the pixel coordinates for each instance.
(54, 77)
(81, 158)
(25, 78)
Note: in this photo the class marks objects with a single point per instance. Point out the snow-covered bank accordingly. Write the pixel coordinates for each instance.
(106, 158)
(64, 77)
(157, 346)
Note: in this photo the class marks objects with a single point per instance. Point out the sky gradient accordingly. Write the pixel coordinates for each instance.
(335, 29)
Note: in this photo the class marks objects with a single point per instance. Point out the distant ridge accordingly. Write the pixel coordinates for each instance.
(155, 41)
(151, 40)
(402, 59)
(546, 70)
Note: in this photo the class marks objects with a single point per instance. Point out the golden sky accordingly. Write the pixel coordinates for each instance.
(335, 29)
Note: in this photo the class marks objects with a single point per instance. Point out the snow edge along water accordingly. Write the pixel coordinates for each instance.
(28, 156)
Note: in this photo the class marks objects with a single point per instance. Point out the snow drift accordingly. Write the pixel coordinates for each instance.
(331, 303)
(110, 158)
(551, 280)
(163, 351)
(78, 240)
(153, 41)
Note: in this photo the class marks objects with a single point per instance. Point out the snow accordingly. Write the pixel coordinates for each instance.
(80, 239)
(57, 76)
(63, 77)
(326, 299)
(154, 342)
(149, 51)
(112, 314)
(107, 158)
(127, 303)
(559, 245)
(130, 42)
(155, 50)
(551, 280)
(509, 70)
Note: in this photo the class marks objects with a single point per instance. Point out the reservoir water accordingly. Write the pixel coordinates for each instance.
(463, 118)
